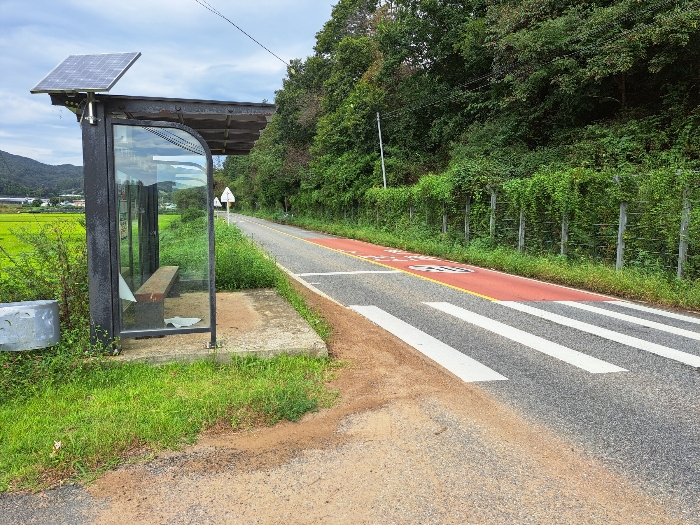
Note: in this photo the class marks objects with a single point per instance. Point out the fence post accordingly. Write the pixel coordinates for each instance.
(411, 210)
(467, 208)
(521, 231)
(492, 218)
(564, 233)
(622, 226)
(444, 219)
(685, 224)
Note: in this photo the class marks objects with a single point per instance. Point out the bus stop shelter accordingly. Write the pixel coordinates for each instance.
(139, 155)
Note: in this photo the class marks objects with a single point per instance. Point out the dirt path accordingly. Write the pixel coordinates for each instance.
(408, 443)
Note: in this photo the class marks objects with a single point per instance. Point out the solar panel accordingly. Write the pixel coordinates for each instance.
(86, 73)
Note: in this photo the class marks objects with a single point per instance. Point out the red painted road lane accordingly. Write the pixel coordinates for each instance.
(487, 283)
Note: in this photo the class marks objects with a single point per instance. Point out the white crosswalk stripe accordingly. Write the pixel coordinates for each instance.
(470, 370)
(635, 320)
(634, 342)
(464, 367)
(550, 348)
(656, 311)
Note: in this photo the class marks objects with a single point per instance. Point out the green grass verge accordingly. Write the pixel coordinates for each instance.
(100, 411)
(77, 429)
(629, 283)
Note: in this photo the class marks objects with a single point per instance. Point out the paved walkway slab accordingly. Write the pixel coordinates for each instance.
(257, 322)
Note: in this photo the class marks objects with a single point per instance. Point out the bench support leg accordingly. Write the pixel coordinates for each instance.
(149, 316)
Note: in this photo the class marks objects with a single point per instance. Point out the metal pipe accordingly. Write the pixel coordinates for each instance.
(622, 227)
(685, 225)
(521, 231)
(381, 148)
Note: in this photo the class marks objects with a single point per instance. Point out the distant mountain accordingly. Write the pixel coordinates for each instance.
(21, 176)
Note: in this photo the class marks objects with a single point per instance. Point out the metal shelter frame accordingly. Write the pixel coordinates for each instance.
(222, 128)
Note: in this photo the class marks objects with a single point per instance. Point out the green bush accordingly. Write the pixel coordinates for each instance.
(191, 214)
(240, 263)
(52, 264)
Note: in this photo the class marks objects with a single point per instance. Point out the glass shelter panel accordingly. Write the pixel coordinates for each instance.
(162, 201)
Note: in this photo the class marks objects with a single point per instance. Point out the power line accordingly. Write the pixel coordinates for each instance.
(541, 64)
(209, 7)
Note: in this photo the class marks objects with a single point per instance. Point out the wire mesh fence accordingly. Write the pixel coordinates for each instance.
(648, 220)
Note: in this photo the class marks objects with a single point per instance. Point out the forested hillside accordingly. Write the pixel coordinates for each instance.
(21, 176)
(480, 92)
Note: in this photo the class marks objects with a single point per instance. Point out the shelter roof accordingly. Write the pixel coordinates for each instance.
(229, 128)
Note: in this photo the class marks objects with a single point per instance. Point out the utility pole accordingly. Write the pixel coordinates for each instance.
(381, 148)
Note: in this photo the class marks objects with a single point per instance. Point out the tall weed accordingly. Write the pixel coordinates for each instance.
(52, 265)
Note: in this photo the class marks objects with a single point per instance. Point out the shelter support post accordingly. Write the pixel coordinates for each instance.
(99, 235)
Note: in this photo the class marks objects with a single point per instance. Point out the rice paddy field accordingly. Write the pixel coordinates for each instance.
(11, 223)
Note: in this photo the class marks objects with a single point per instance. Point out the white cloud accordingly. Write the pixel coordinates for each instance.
(187, 52)
(59, 150)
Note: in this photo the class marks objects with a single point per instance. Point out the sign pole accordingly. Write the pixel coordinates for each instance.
(228, 198)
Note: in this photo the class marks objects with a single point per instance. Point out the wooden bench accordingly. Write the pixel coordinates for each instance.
(150, 298)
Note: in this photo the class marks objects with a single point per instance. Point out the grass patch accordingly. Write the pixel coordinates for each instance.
(68, 412)
(240, 263)
(630, 283)
(91, 422)
(310, 315)
(166, 219)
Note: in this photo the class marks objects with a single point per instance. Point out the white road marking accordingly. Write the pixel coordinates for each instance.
(464, 367)
(635, 320)
(308, 285)
(640, 344)
(348, 273)
(578, 359)
(656, 311)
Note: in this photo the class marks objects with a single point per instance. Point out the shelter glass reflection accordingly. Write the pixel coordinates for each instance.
(161, 189)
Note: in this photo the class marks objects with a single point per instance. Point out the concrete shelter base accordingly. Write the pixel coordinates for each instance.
(251, 322)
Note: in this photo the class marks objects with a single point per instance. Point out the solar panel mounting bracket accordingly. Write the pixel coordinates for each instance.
(91, 113)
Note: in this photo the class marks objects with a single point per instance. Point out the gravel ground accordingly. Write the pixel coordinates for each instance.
(408, 443)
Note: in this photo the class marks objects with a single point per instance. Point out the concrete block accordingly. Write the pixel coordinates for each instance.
(29, 325)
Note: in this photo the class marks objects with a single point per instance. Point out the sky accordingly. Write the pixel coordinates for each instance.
(186, 52)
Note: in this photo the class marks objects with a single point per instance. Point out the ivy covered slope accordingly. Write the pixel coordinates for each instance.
(483, 93)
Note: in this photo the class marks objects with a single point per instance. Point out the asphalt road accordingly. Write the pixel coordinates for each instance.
(618, 383)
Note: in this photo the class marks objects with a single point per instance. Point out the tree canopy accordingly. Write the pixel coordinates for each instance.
(479, 88)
